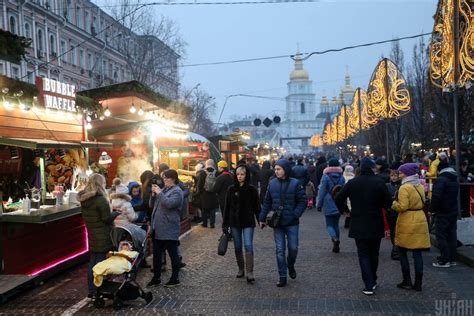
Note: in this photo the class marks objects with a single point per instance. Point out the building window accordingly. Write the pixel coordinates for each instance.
(88, 22)
(89, 61)
(2, 69)
(80, 22)
(13, 25)
(63, 51)
(31, 77)
(15, 72)
(73, 55)
(110, 70)
(303, 108)
(81, 58)
(52, 44)
(27, 30)
(68, 11)
(40, 40)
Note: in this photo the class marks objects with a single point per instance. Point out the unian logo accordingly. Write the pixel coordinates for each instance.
(454, 307)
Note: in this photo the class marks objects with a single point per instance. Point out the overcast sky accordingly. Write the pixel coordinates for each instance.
(230, 32)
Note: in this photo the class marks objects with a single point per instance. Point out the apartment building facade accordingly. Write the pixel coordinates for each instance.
(77, 42)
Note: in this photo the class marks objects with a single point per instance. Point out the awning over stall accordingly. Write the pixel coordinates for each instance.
(50, 144)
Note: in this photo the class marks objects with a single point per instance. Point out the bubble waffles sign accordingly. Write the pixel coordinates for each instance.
(56, 95)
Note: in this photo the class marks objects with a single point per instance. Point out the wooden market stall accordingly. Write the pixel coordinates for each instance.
(42, 140)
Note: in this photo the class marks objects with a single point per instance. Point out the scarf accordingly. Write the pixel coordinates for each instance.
(414, 179)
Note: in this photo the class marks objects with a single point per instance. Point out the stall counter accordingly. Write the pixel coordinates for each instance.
(33, 244)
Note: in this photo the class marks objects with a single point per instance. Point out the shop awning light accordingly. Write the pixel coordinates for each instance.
(88, 118)
(174, 155)
(133, 109)
(107, 112)
(141, 112)
(88, 125)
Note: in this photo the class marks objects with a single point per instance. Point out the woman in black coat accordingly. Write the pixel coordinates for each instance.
(240, 213)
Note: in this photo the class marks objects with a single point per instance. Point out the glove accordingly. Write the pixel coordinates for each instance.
(226, 230)
(319, 209)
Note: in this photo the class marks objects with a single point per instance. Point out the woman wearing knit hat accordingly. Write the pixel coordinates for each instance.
(411, 232)
(332, 177)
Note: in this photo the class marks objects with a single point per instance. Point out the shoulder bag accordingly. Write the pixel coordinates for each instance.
(274, 216)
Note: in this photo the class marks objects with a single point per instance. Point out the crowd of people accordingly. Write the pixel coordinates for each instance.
(377, 200)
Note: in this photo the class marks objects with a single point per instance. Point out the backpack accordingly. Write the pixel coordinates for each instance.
(335, 188)
(210, 181)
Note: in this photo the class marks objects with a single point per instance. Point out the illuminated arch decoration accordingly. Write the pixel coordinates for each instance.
(442, 50)
(387, 95)
(327, 135)
(466, 52)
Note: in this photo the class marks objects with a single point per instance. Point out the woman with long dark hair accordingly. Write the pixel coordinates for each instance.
(241, 211)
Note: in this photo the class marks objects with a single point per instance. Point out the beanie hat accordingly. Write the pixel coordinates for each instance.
(163, 167)
(210, 164)
(442, 156)
(409, 169)
(333, 162)
(222, 164)
(366, 162)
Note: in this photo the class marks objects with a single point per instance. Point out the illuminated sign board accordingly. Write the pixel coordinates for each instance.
(56, 95)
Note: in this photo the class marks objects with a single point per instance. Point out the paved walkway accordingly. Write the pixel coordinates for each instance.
(327, 283)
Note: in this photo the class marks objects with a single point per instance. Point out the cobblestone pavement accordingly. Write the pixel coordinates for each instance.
(327, 283)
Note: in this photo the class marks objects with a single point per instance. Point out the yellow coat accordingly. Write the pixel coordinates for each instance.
(433, 171)
(411, 231)
(114, 265)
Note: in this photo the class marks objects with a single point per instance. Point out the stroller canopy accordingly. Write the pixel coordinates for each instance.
(130, 232)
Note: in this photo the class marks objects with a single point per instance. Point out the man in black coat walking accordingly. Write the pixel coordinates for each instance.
(265, 175)
(368, 195)
(223, 182)
(300, 173)
(444, 203)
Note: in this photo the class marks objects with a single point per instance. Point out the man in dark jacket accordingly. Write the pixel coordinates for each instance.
(444, 203)
(265, 175)
(286, 195)
(314, 179)
(223, 182)
(209, 201)
(382, 170)
(300, 173)
(368, 195)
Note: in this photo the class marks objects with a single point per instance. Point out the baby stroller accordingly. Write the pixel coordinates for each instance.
(120, 288)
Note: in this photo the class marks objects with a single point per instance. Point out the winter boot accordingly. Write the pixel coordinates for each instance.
(406, 283)
(282, 282)
(249, 266)
(418, 281)
(240, 263)
(335, 245)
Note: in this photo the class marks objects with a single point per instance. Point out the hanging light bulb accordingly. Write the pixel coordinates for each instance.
(23, 107)
(133, 109)
(101, 117)
(107, 112)
(7, 105)
(88, 125)
(141, 112)
(88, 118)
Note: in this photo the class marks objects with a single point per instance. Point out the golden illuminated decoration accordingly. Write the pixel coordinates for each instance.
(466, 52)
(387, 95)
(316, 140)
(442, 50)
(327, 134)
(341, 124)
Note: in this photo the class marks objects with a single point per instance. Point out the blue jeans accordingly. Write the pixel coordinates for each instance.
(417, 258)
(95, 258)
(286, 236)
(247, 232)
(332, 225)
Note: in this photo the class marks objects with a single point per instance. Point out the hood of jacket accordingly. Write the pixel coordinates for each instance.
(285, 164)
(449, 173)
(247, 177)
(120, 196)
(329, 170)
(131, 185)
(83, 195)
